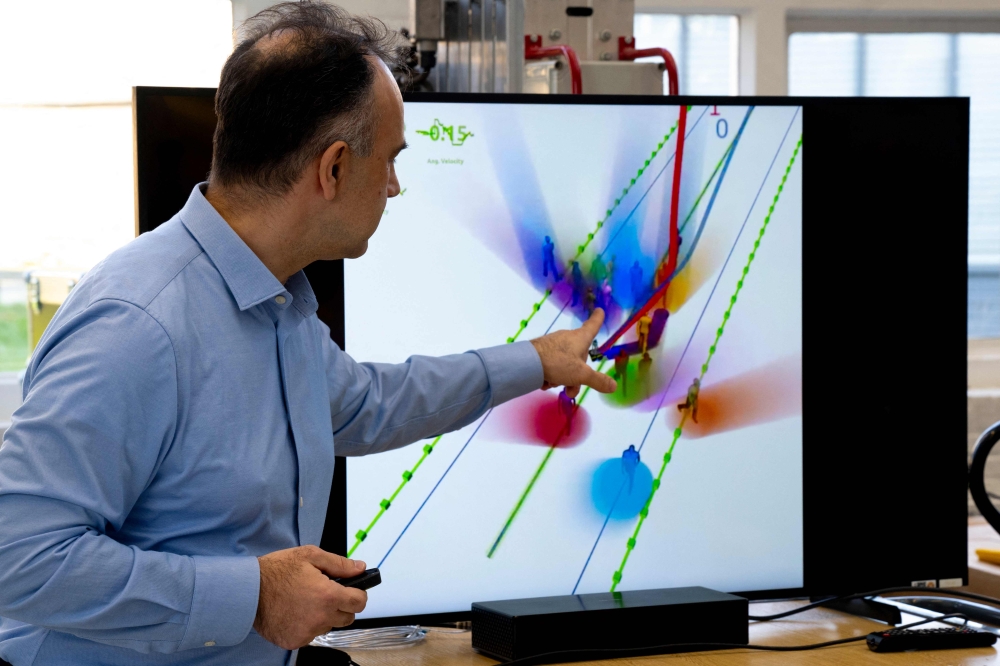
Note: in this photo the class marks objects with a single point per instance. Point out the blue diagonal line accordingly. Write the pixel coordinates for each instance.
(621, 225)
(456, 457)
(715, 193)
(721, 272)
(698, 323)
(556, 319)
(420, 508)
(599, 534)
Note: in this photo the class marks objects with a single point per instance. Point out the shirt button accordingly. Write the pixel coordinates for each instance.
(301, 502)
(280, 300)
(209, 643)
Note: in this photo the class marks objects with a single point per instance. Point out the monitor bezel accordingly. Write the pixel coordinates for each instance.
(815, 582)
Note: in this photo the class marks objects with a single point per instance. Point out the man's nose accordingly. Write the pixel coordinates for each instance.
(393, 188)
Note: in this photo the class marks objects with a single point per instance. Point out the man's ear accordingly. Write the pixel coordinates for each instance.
(333, 165)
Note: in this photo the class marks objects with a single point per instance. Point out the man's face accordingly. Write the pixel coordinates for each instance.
(372, 179)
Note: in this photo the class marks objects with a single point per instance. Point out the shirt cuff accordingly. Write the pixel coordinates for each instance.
(513, 370)
(224, 606)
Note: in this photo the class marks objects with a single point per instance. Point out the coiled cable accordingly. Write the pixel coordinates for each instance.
(383, 637)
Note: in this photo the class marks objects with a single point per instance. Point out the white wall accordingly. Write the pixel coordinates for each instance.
(766, 24)
(395, 13)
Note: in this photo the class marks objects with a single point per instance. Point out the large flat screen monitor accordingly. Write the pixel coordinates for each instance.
(795, 267)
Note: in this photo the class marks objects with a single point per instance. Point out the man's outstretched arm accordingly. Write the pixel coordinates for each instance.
(377, 406)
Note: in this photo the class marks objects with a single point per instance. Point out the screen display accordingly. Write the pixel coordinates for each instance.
(685, 225)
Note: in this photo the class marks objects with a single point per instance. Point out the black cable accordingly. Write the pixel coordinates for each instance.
(928, 591)
(577, 655)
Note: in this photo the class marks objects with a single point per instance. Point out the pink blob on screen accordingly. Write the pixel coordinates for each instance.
(537, 418)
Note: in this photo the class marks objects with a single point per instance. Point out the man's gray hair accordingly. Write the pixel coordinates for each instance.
(300, 79)
(356, 127)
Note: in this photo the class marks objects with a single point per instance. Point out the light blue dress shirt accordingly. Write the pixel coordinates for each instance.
(180, 419)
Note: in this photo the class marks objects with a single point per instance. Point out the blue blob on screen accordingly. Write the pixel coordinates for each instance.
(615, 494)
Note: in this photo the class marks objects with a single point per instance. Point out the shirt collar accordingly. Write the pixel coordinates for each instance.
(248, 279)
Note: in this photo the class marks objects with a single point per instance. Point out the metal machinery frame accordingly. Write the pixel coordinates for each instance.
(540, 46)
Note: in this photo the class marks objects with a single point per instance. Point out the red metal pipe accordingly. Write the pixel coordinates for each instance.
(533, 50)
(627, 51)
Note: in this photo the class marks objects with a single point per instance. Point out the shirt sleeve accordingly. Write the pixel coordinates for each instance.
(381, 406)
(98, 416)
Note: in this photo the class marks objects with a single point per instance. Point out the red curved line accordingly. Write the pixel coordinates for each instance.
(667, 269)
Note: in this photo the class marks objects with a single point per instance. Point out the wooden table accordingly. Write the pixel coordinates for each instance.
(815, 626)
(984, 578)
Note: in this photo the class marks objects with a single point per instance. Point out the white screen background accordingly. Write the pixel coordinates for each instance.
(445, 273)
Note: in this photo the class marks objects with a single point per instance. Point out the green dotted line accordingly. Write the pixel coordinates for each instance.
(407, 475)
(630, 545)
(386, 503)
(534, 310)
(600, 224)
(631, 184)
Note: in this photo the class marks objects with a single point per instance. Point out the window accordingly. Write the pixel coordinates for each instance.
(66, 184)
(706, 48)
(926, 64)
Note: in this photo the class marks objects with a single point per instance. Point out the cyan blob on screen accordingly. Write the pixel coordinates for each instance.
(620, 487)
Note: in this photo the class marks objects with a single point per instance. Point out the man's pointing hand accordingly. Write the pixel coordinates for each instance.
(564, 358)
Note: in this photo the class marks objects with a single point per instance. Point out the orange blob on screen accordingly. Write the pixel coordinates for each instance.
(768, 393)
(694, 276)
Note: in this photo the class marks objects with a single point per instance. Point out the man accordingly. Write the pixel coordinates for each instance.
(630, 462)
(598, 271)
(621, 369)
(165, 482)
(589, 301)
(549, 259)
(567, 408)
(642, 331)
(635, 280)
(576, 274)
(690, 404)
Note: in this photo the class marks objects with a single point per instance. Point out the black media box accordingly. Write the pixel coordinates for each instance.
(519, 628)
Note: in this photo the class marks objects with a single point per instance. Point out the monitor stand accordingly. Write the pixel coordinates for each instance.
(868, 608)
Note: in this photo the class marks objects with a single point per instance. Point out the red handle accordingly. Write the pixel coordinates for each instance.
(627, 51)
(533, 50)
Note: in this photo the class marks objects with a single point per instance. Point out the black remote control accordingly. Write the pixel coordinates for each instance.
(363, 581)
(901, 640)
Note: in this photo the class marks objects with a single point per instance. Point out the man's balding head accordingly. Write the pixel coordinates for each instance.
(303, 76)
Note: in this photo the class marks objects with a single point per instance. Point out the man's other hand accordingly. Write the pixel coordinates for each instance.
(299, 602)
(564, 358)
